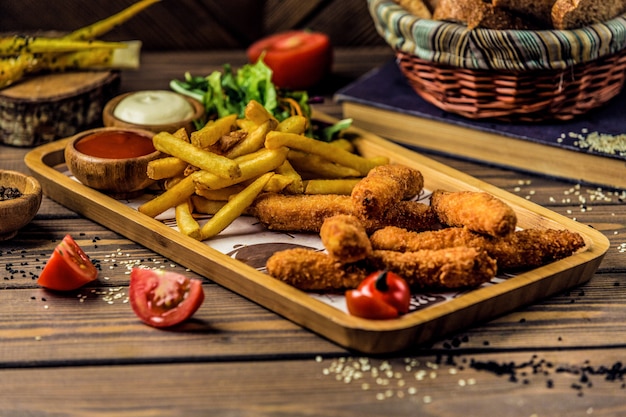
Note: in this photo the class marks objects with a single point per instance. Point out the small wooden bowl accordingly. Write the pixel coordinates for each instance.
(119, 177)
(18, 212)
(111, 120)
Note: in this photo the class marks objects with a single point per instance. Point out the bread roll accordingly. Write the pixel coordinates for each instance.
(476, 13)
(416, 7)
(539, 11)
(571, 14)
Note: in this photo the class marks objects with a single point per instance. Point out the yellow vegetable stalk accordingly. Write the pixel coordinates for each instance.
(23, 44)
(13, 69)
(103, 26)
(77, 50)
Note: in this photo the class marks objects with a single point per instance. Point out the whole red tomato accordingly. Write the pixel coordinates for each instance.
(298, 59)
(382, 295)
(163, 298)
(68, 268)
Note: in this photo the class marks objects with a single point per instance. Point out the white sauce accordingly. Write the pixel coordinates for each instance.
(154, 107)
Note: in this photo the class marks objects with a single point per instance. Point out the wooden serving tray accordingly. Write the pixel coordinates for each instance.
(367, 336)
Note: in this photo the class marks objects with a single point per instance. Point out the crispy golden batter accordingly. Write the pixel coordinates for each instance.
(311, 270)
(533, 247)
(299, 212)
(345, 238)
(449, 268)
(383, 186)
(306, 213)
(518, 250)
(410, 215)
(480, 212)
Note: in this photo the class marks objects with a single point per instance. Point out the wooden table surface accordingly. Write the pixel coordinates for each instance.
(86, 354)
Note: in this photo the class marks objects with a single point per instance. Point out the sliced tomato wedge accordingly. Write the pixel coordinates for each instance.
(164, 298)
(68, 268)
(299, 59)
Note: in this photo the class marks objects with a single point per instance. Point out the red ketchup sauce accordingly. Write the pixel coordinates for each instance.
(115, 144)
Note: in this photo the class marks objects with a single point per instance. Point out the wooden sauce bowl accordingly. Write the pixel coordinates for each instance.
(112, 160)
(17, 212)
(152, 98)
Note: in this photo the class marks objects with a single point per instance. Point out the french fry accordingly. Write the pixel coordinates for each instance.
(185, 221)
(218, 165)
(344, 144)
(235, 207)
(318, 167)
(182, 135)
(253, 141)
(256, 113)
(170, 197)
(172, 181)
(293, 124)
(340, 186)
(222, 194)
(213, 131)
(205, 206)
(167, 167)
(251, 165)
(330, 152)
(278, 183)
(286, 169)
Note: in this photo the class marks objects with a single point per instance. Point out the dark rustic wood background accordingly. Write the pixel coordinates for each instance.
(199, 24)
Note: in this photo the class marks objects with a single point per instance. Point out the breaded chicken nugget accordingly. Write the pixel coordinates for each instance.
(478, 211)
(383, 186)
(518, 250)
(533, 247)
(311, 270)
(345, 238)
(299, 212)
(410, 215)
(306, 213)
(449, 268)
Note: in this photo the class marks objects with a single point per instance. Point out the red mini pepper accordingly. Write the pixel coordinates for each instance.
(382, 295)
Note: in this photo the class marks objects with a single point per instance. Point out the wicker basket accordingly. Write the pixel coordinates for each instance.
(510, 75)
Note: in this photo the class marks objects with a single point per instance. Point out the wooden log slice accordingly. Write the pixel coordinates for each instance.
(47, 107)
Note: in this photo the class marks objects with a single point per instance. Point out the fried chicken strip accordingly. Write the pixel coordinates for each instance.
(345, 238)
(306, 213)
(448, 268)
(383, 186)
(478, 211)
(521, 249)
(311, 270)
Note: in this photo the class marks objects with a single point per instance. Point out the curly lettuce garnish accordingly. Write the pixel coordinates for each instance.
(228, 92)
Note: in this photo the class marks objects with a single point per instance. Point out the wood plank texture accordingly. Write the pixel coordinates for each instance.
(552, 384)
(201, 25)
(560, 356)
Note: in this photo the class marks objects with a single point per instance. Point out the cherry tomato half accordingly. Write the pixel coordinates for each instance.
(163, 298)
(68, 268)
(298, 59)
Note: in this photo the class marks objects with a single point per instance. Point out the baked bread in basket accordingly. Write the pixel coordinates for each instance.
(508, 74)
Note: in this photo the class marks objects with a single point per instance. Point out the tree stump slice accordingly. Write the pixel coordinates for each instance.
(44, 108)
